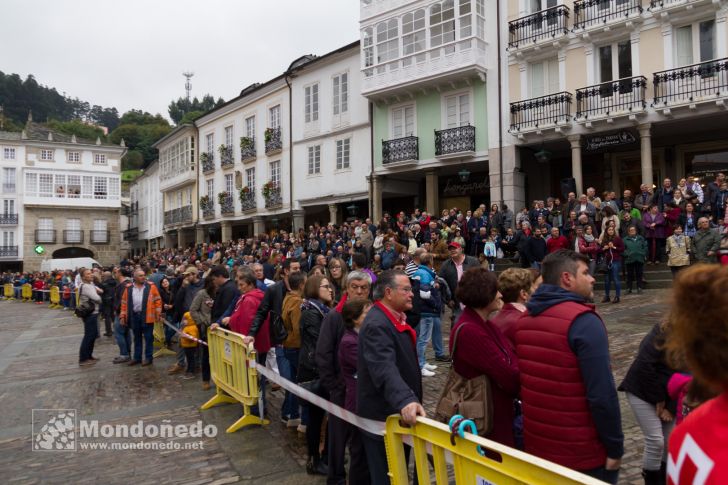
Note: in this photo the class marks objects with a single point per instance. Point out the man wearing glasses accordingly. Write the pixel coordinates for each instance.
(389, 378)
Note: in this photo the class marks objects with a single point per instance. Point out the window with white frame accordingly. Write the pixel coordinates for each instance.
(250, 127)
(250, 178)
(615, 61)
(100, 229)
(480, 18)
(60, 186)
(45, 185)
(367, 49)
(465, 13)
(229, 137)
(544, 77)
(695, 43)
(274, 116)
(87, 190)
(414, 37)
(100, 187)
(311, 103)
(9, 153)
(342, 153)
(403, 121)
(210, 188)
(9, 207)
(442, 23)
(179, 198)
(45, 231)
(210, 138)
(31, 184)
(314, 159)
(275, 173)
(74, 187)
(73, 232)
(341, 93)
(99, 159)
(229, 183)
(9, 180)
(74, 157)
(457, 110)
(8, 238)
(114, 188)
(46, 155)
(387, 40)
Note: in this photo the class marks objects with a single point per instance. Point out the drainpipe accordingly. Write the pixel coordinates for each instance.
(290, 147)
(500, 100)
(371, 161)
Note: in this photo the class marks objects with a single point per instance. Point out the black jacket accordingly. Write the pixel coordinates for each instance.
(108, 285)
(449, 272)
(536, 249)
(648, 375)
(118, 293)
(225, 295)
(389, 375)
(311, 319)
(327, 352)
(273, 303)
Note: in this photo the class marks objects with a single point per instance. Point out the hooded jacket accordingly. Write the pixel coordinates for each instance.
(242, 319)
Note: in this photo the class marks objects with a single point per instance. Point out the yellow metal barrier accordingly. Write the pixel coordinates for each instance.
(8, 291)
(27, 293)
(159, 341)
(474, 460)
(232, 365)
(55, 298)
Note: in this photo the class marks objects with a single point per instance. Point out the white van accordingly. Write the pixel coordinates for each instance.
(67, 263)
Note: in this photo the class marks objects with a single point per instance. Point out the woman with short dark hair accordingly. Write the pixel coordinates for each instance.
(482, 349)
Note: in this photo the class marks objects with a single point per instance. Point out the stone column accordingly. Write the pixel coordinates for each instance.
(199, 235)
(376, 214)
(258, 226)
(646, 153)
(575, 141)
(226, 231)
(432, 202)
(298, 220)
(180, 238)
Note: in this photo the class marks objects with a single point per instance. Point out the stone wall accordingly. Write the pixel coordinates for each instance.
(106, 254)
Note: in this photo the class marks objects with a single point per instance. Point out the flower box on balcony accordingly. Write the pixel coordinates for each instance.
(247, 149)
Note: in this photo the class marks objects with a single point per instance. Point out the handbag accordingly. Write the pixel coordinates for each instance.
(86, 308)
(471, 398)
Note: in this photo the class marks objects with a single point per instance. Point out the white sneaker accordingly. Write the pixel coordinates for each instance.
(430, 367)
(427, 373)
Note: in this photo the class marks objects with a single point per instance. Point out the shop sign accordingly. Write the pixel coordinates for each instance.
(455, 187)
(613, 139)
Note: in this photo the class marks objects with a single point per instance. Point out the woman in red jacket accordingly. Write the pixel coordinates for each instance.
(698, 448)
(482, 349)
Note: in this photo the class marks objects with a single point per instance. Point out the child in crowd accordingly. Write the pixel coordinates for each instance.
(189, 327)
(490, 251)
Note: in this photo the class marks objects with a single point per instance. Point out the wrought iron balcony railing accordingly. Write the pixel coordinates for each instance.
(537, 112)
(400, 149)
(179, 215)
(45, 236)
(545, 24)
(208, 211)
(247, 202)
(660, 4)
(226, 156)
(273, 141)
(72, 236)
(131, 234)
(100, 237)
(8, 219)
(8, 251)
(687, 84)
(208, 163)
(274, 199)
(588, 13)
(455, 140)
(247, 149)
(227, 206)
(620, 96)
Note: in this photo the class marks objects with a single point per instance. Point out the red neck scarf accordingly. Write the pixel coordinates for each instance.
(400, 326)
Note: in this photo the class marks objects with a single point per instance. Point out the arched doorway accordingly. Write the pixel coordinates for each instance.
(72, 252)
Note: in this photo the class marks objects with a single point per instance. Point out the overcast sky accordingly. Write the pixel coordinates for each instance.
(131, 53)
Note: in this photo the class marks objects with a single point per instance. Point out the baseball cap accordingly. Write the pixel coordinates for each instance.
(454, 244)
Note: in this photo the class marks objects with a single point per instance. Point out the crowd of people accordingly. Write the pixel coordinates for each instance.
(360, 303)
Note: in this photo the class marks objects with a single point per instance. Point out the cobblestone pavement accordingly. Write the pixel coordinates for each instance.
(39, 370)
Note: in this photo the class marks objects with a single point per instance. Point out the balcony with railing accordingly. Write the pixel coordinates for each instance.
(247, 149)
(8, 251)
(666, 7)
(247, 201)
(689, 85)
(623, 97)
(273, 198)
(208, 210)
(273, 141)
(543, 26)
(227, 205)
(8, 219)
(604, 14)
(458, 141)
(72, 236)
(207, 161)
(535, 114)
(226, 156)
(131, 234)
(178, 216)
(100, 236)
(400, 150)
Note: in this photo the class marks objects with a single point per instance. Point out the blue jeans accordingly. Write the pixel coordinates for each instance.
(612, 275)
(90, 332)
(123, 338)
(140, 328)
(437, 332)
(424, 334)
(287, 360)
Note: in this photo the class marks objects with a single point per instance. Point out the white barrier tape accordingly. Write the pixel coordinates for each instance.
(369, 425)
(181, 333)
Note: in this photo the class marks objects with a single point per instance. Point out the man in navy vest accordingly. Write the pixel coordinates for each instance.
(570, 407)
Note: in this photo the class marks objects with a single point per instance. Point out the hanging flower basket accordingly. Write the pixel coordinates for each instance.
(222, 197)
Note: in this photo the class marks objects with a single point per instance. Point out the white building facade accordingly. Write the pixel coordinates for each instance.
(331, 139)
(146, 220)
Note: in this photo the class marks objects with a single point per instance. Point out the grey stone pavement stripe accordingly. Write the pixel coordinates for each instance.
(9, 353)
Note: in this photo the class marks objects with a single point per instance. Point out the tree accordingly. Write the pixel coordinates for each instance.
(179, 108)
(78, 128)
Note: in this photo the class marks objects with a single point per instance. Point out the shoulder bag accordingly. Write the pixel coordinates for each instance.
(471, 398)
(84, 308)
